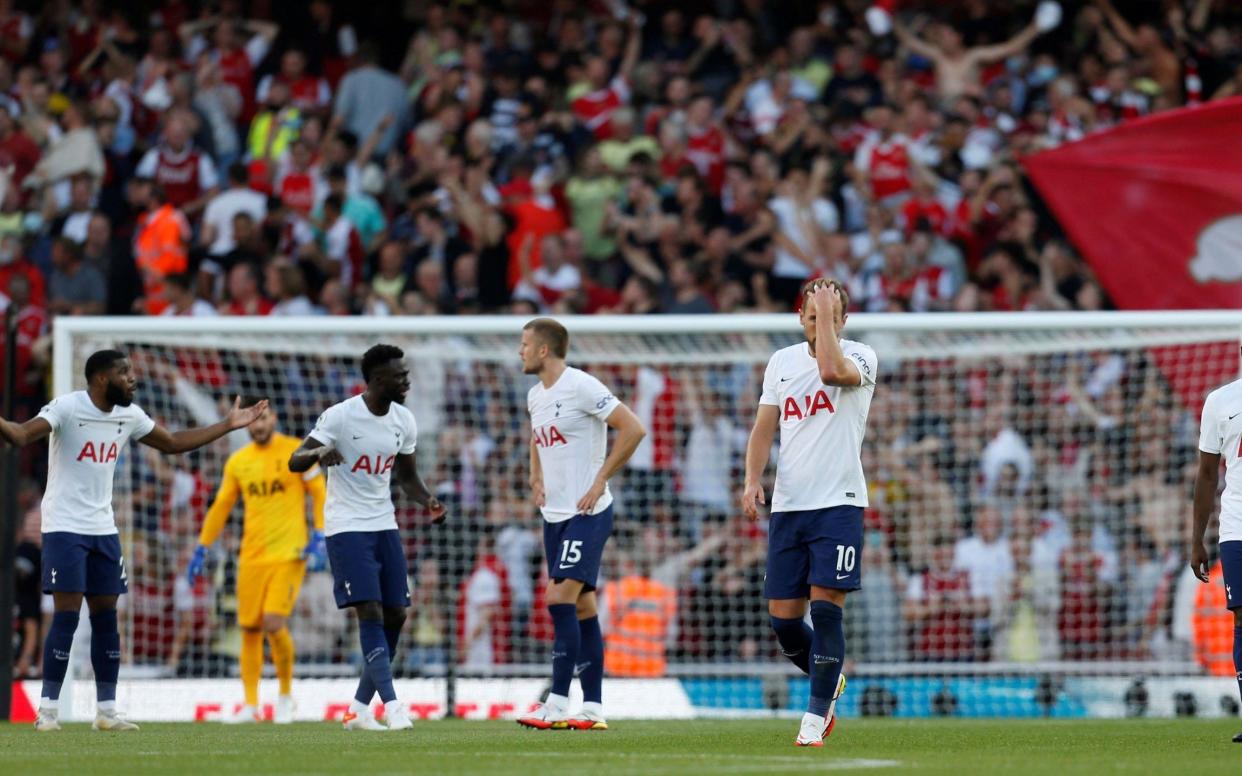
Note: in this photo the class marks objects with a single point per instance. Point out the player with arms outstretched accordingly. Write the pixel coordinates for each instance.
(1220, 435)
(570, 414)
(817, 393)
(361, 441)
(81, 545)
(275, 549)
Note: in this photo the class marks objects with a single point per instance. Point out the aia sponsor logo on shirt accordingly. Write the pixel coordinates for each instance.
(104, 452)
(811, 404)
(548, 436)
(263, 488)
(373, 464)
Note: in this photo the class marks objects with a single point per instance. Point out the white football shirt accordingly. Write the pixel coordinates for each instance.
(359, 490)
(81, 461)
(571, 436)
(1220, 432)
(821, 429)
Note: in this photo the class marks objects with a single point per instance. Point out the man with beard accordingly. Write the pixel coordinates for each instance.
(81, 546)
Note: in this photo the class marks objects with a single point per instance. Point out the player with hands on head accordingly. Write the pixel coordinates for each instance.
(816, 394)
(361, 442)
(82, 556)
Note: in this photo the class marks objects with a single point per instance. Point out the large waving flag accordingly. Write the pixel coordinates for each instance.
(1155, 206)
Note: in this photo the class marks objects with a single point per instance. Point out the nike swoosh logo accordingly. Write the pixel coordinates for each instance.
(567, 566)
(357, 437)
(842, 576)
(80, 425)
(1234, 415)
(783, 379)
(822, 662)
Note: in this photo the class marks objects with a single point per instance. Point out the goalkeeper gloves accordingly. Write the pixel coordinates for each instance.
(316, 552)
(195, 569)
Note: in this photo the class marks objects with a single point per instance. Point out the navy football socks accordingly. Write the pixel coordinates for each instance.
(366, 688)
(105, 654)
(375, 655)
(565, 646)
(795, 638)
(827, 654)
(591, 655)
(56, 652)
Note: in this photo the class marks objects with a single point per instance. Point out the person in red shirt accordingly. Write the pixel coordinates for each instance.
(595, 108)
(1084, 596)
(296, 183)
(882, 163)
(307, 92)
(32, 323)
(705, 143)
(236, 55)
(16, 148)
(939, 606)
(923, 206)
(244, 296)
(14, 264)
(534, 218)
(187, 175)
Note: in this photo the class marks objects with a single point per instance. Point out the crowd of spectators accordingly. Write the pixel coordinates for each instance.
(515, 157)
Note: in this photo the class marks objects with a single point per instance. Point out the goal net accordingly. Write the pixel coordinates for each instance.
(1029, 476)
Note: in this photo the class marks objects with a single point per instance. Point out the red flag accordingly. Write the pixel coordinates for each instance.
(1155, 206)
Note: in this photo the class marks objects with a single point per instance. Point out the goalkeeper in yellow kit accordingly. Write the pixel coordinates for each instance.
(275, 552)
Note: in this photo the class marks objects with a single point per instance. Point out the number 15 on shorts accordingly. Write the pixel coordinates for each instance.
(571, 553)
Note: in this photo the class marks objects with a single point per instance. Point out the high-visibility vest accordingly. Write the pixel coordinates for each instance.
(159, 251)
(1211, 626)
(262, 126)
(641, 611)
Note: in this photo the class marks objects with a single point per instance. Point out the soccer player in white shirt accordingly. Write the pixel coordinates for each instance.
(1220, 435)
(360, 442)
(81, 547)
(817, 393)
(570, 414)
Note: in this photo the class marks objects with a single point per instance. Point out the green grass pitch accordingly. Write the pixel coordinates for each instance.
(704, 747)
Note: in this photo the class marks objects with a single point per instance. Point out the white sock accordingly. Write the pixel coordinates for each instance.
(558, 703)
(358, 708)
(49, 704)
(107, 707)
(593, 708)
(394, 706)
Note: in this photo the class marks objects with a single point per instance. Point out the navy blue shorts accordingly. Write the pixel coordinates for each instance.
(814, 547)
(82, 563)
(574, 547)
(369, 566)
(1231, 566)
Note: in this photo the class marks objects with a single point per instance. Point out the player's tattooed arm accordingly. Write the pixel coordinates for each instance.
(312, 452)
(22, 434)
(1206, 481)
(189, 439)
(412, 483)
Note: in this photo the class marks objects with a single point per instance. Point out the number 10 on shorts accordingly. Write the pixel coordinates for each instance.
(845, 558)
(571, 552)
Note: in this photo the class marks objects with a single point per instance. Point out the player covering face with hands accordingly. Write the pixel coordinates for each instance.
(361, 442)
(81, 545)
(817, 395)
(570, 414)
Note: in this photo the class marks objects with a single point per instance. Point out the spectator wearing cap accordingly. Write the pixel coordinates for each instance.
(367, 96)
(74, 288)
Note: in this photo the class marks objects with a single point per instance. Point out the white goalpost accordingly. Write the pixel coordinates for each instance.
(1029, 486)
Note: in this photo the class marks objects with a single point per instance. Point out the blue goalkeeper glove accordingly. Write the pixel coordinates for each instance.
(195, 569)
(316, 552)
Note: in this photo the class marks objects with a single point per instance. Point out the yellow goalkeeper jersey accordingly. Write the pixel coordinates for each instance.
(274, 527)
